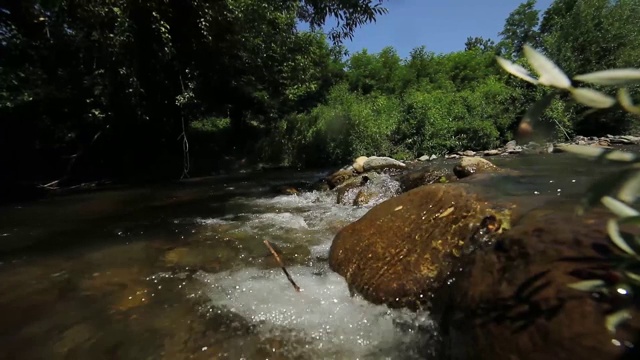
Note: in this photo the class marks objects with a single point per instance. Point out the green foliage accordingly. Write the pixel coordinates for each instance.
(211, 125)
(520, 28)
(133, 70)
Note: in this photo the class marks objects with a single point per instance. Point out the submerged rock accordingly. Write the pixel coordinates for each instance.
(512, 300)
(367, 188)
(404, 248)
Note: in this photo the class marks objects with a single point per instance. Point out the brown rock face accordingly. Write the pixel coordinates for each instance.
(405, 247)
(512, 300)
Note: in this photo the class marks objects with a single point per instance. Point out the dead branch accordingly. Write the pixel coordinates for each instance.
(275, 255)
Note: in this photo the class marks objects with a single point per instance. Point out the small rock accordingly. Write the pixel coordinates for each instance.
(340, 176)
(467, 153)
(491, 152)
(510, 146)
(382, 162)
(358, 164)
(550, 148)
(433, 157)
(515, 150)
(424, 158)
(452, 156)
(471, 165)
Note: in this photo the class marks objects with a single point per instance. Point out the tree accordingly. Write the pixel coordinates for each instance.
(124, 79)
(479, 43)
(521, 27)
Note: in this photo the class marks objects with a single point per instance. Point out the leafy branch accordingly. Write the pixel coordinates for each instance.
(616, 192)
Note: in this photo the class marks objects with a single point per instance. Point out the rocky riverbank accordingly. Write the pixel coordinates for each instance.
(512, 147)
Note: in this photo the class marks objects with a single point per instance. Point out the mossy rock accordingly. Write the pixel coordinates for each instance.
(404, 248)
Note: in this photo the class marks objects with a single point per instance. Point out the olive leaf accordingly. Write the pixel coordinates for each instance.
(618, 238)
(611, 77)
(626, 102)
(618, 207)
(516, 70)
(630, 189)
(598, 152)
(614, 320)
(588, 285)
(592, 98)
(550, 74)
(632, 276)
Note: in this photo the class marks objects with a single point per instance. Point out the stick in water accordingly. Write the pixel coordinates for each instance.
(275, 255)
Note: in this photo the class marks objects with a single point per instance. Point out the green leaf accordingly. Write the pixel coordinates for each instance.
(614, 320)
(516, 70)
(611, 77)
(630, 188)
(550, 73)
(594, 152)
(632, 276)
(626, 102)
(587, 285)
(592, 98)
(582, 150)
(618, 207)
(618, 238)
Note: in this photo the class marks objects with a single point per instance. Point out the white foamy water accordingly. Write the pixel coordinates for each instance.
(335, 324)
(332, 323)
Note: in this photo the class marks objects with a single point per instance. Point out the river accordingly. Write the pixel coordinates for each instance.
(180, 271)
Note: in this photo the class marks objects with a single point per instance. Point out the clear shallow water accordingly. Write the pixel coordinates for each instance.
(181, 272)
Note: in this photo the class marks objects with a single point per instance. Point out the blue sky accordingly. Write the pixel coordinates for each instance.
(441, 25)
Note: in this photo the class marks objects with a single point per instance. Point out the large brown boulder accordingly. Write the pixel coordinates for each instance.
(405, 247)
(512, 300)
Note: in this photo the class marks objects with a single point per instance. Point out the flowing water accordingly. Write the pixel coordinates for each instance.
(181, 272)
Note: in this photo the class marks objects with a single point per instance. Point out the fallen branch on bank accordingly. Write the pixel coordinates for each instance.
(275, 255)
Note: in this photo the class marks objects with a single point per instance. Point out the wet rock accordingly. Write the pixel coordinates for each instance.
(512, 301)
(467, 153)
(405, 247)
(510, 146)
(376, 163)
(366, 189)
(491, 152)
(202, 256)
(346, 191)
(515, 150)
(424, 158)
(340, 176)
(358, 164)
(472, 165)
(364, 197)
(422, 176)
